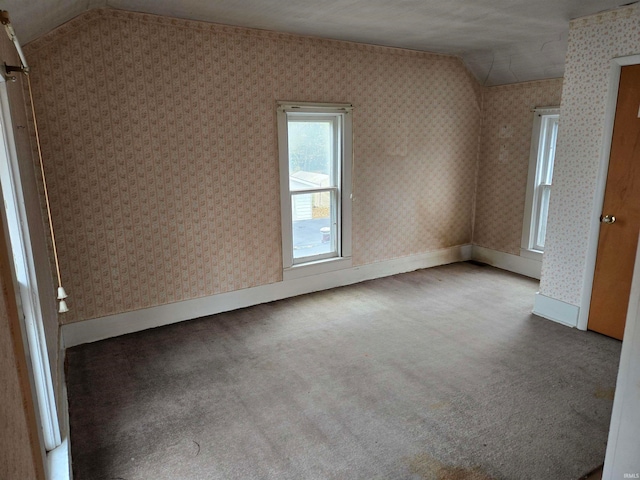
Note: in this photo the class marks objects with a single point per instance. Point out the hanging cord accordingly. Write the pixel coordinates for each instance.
(61, 293)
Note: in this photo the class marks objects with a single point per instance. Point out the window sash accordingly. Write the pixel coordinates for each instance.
(541, 162)
(544, 175)
(335, 162)
(547, 153)
(542, 215)
(334, 225)
(335, 149)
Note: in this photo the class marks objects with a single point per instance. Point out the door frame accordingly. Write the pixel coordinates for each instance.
(601, 182)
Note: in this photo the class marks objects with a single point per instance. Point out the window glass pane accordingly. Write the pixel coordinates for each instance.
(551, 128)
(314, 224)
(545, 193)
(310, 154)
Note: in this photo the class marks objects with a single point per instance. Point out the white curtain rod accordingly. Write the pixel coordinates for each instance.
(4, 19)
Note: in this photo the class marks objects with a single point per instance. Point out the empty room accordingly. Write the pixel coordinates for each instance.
(320, 240)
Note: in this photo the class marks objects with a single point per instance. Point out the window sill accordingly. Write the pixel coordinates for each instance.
(316, 268)
(532, 254)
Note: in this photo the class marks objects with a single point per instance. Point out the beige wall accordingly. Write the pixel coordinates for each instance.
(504, 160)
(593, 42)
(161, 149)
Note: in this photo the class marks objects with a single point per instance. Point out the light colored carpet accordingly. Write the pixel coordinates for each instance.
(436, 374)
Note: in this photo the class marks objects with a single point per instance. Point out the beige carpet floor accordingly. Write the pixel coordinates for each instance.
(436, 374)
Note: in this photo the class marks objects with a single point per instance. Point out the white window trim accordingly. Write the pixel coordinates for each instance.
(530, 210)
(343, 260)
(24, 271)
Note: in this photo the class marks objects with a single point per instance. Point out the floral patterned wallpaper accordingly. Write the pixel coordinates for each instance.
(504, 160)
(160, 146)
(593, 42)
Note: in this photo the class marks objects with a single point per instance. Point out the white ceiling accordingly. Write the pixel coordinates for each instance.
(500, 41)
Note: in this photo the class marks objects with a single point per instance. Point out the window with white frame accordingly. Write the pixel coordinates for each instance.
(543, 149)
(315, 143)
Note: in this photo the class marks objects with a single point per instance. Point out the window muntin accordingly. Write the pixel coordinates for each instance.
(315, 162)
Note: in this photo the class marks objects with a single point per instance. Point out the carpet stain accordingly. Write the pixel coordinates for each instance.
(431, 469)
(439, 405)
(606, 393)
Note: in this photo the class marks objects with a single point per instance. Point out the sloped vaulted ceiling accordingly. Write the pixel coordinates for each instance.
(500, 41)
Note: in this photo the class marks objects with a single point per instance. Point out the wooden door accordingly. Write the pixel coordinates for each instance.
(620, 219)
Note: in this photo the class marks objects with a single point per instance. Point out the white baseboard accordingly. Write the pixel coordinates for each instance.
(58, 462)
(134, 321)
(545, 307)
(528, 267)
(556, 310)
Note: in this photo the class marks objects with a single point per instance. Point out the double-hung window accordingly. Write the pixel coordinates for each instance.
(543, 149)
(315, 143)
